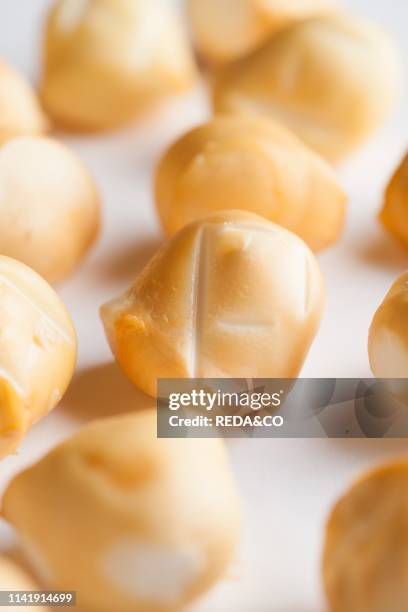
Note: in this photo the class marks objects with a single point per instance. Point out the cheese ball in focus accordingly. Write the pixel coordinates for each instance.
(224, 30)
(365, 563)
(333, 80)
(37, 351)
(144, 524)
(231, 296)
(20, 111)
(252, 164)
(394, 214)
(388, 337)
(106, 61)
(14, 578)
(49, 206)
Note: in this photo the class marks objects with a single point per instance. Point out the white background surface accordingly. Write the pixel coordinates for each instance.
(288, 486)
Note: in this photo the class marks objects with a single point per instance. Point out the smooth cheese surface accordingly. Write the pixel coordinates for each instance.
(145, 523)
(253, 164)
(229, 296)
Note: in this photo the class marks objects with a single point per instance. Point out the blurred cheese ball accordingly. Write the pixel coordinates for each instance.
(388, 337)
(252, 164)
(49, 206)
(37, 351)
(224, 30)
(106, 61)
(232, 295)
(394, 214)
(144, 523)
(14, 578)
(365, 556)
(20, 111)
(333, 80)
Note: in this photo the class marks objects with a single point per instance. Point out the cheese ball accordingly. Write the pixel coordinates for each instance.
(365, 562)
(394, 214)
(231, 296)
(20, 111)
(49, 206)
(388, 336)
(107, 61)
(224, 30)
(14, 578)
(37, 351)
(144, 524)
(252, 164)
(333, 80)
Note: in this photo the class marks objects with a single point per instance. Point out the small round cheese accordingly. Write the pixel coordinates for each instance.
(143, 523)
(49, 206)
(232, 295)
(365, 562)
(37, 351)
(388, 337)
(394, 214)
(254, 164)
(20, 111)
(333, 80)
(106, 61)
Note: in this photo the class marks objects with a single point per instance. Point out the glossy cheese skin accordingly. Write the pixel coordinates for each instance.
(37, 351)
(232, 295)
(388, 336)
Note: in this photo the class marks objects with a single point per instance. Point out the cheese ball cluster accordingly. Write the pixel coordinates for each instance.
(106, 61)
(131, 522)
(332, 80)
(232, 295)
(144, 524)
(20, 111)
(37, 351)
(225, 30)
(250, 163)
(365, 557)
